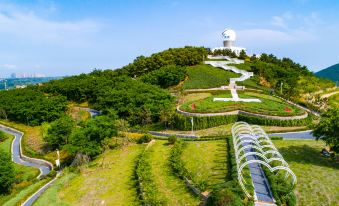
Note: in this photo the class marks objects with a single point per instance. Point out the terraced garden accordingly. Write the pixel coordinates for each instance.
(269, 106)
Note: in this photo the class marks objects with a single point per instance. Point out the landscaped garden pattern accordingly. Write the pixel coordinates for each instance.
(269, 106)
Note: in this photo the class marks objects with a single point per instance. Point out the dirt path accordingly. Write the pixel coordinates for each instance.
(329, 94)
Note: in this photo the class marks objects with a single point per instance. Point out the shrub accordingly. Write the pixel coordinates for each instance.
(224, 197)
(145, 139)
(172, 139)
(2, 136)
(276, 138)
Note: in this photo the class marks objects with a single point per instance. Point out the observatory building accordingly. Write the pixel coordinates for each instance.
(229, 38)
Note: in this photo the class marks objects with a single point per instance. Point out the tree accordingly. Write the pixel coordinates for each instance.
(89, 139)
(328, 129)
(59, 132)
(7, 173)
(242, 55)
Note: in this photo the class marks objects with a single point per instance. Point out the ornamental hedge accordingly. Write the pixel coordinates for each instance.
(184, 123)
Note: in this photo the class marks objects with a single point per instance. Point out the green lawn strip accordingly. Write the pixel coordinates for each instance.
(206, 76)
(170, 186)
(148, 190)
(269, 105)
(318, 182)
(206, 162)
(25, 178)
(50, 196)
(110, 184)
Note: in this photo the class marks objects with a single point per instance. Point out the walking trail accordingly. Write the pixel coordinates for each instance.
(232, 86)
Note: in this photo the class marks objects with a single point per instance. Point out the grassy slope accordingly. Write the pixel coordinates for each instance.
(207, 162)
(318, 182)
(112, 184)
(333, 101)
(206, 76)
(170, 187)
(50, 196)
(269, 105)
(25, 178)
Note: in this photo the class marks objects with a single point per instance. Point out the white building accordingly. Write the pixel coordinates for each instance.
(229, 38)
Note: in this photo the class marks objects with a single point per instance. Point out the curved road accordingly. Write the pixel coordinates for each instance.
(17, 156)
(305, 135)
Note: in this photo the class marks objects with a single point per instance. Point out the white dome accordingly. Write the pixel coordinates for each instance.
(229, 35)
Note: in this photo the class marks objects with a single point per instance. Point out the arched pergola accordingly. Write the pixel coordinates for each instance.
(252, 141)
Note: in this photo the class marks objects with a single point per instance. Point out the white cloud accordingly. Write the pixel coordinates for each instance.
(25, 25)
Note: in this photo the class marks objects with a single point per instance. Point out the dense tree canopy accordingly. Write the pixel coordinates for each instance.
(165, 76)
(187, 56)
(59, 131)
(328, 129)
(88, 138)
(31, 106)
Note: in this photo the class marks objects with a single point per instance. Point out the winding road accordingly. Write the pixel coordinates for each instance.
(44, 166)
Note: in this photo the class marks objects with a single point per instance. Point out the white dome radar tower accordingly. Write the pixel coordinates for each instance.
(229, 37)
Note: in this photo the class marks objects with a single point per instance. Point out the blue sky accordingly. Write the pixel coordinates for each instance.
(74, 36)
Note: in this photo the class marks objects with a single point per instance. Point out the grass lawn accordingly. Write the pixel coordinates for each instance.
(25, 178)
(206, 76)
(51, 194)
(206, 161)
(170, 186)
(269, 105)
(318, 182)
(112, 184)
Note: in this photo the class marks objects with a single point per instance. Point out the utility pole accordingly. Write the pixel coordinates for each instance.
(281, 84)
(192, 122)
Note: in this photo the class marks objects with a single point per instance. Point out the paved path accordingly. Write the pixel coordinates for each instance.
(306, 135)
(330, 94)
(261, 185)
(232, 86)
(17, 156)
(92, 112)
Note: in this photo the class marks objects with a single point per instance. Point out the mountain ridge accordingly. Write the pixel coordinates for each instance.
(331, 72)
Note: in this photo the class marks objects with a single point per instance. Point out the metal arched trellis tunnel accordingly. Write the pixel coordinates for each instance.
(253, 146)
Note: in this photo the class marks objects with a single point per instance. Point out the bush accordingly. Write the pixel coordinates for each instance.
(146, 138)
(172, 139)
(224, 197)
(2, 136)
(276, 138)
(7, 173)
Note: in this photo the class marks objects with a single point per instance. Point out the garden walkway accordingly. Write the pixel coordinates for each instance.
(232, 86)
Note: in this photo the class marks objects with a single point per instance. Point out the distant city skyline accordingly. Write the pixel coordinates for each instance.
(59, 38)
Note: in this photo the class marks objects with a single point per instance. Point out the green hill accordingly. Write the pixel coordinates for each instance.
(331, 73)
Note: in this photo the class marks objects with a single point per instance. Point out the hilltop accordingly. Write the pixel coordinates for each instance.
(331, 73)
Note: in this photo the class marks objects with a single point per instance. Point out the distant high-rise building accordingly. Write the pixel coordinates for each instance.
(13, 75)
